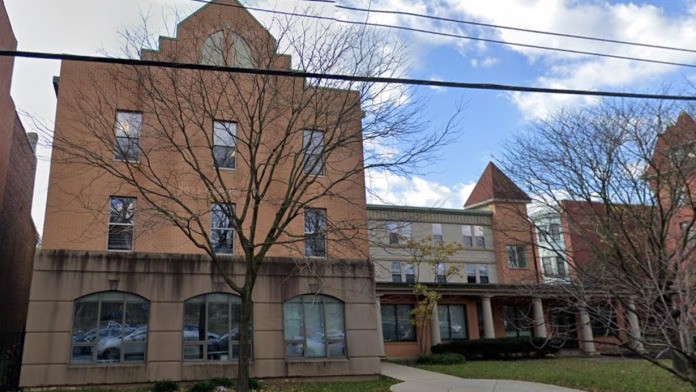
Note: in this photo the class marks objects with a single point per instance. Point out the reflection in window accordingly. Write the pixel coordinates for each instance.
(109, 327)
(313, 142)
(121, 221)
(222, 228)
(314, 327)
(452, 320)
(127, 130)
(517, 321)
(396, 323)
(211, 327)
(315, 232)
(224, 144)
(231, 50)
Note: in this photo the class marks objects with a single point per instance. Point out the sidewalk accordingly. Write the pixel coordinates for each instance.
(417, 380)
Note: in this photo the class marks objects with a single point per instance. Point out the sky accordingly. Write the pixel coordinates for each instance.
(489, 119)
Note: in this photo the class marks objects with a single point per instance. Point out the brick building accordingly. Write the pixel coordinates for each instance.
(121, 296)
(18, 236)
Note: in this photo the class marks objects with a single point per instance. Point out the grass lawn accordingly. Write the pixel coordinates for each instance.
(589, 374)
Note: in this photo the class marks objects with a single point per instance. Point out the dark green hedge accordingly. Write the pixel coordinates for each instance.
(501, 348)
(441, 359)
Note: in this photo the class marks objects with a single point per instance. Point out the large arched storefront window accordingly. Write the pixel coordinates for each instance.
(109, 327)
(211, 327)
(314, 327)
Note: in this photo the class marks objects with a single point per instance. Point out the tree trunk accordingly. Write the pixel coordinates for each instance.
(244, 343)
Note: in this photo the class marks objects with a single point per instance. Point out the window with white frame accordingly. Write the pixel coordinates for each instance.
(315, 232)
(109, 328)
(440, 273)
(396, 271)
(225, 144)
(555, 232)
(222, 228)
(477, 273)
(410, 272)
(517, 256)
(473, 237)
(127, 131)
(554, 266)
(211, 327)
(313, 142)
(314, 327)
(437, 234)
(121, 223)
(452, 321)
(399, 232)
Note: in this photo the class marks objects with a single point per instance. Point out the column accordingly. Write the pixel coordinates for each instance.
(634, 326)
(488, 330)
(539, 322)
(587, 337)
(435, 337)
(380, 333)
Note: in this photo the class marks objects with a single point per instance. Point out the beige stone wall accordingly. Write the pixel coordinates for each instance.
(167, 281)
(383, 254)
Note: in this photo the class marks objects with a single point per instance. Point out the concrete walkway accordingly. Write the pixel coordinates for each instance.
(417, 380)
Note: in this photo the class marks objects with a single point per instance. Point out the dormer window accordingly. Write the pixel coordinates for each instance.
(226, 50)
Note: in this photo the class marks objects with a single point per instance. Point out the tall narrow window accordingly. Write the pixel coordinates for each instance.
(399, 232)
(441, 273)
(452, 320)
(225, 144)
(315, 232)
(396, 323)
(483, 274)
(555, 232)
(314, 327)
(470, 273)
(561, 267)
(222, 228)
(517, 256)
(211, 327)
(127, 130)
(313, 142)
(437, 234)
(410, 274)
(109, 327)
(479, 239)
(467, 236)
(393, 232)
(121, 222)
(396, 271)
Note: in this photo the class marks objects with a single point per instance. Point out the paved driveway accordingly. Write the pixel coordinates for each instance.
(417, 380)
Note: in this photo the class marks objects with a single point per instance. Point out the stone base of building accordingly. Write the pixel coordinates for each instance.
(166, 282)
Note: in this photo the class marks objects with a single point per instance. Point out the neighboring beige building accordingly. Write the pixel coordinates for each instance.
(119, 298)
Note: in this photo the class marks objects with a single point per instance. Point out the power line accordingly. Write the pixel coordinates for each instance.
(351, 78)
(452, 35)
(495, 26)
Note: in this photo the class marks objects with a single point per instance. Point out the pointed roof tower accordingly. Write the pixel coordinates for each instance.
(494, 185)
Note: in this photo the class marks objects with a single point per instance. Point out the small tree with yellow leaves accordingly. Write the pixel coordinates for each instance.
(431, 256)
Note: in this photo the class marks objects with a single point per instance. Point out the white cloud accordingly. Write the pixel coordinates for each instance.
(484, 63)
(389, 188)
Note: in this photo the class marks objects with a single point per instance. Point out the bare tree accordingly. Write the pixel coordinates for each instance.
(620, 177)
(294, 144)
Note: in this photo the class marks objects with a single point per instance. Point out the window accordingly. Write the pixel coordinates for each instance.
(127, 131)
(554, 266)
(441, 273)
(410, 274)
(561, 267)
(688, 229)
(211, 327)
(314, 327)
(396, 323)
(121, 222)
(220, 50)
(472, 236)
(109, 327)
(517, 321)
(222, 228)
(517, 256)
(313, 142)
(555, 232)
(399, 232)
(396, 271)
(315, 232)
(483, 274)
(603, 321)
(224, 144)
(437, 234)
(476, 273)
(452, 320)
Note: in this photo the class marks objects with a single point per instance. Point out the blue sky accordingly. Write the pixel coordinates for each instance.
(490, 118)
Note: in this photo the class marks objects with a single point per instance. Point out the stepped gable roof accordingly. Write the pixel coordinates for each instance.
(495, 185)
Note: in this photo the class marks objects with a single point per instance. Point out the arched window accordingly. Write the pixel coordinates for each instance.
(220, 49)
(314, 327)
(109, 327)
(211, 327)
